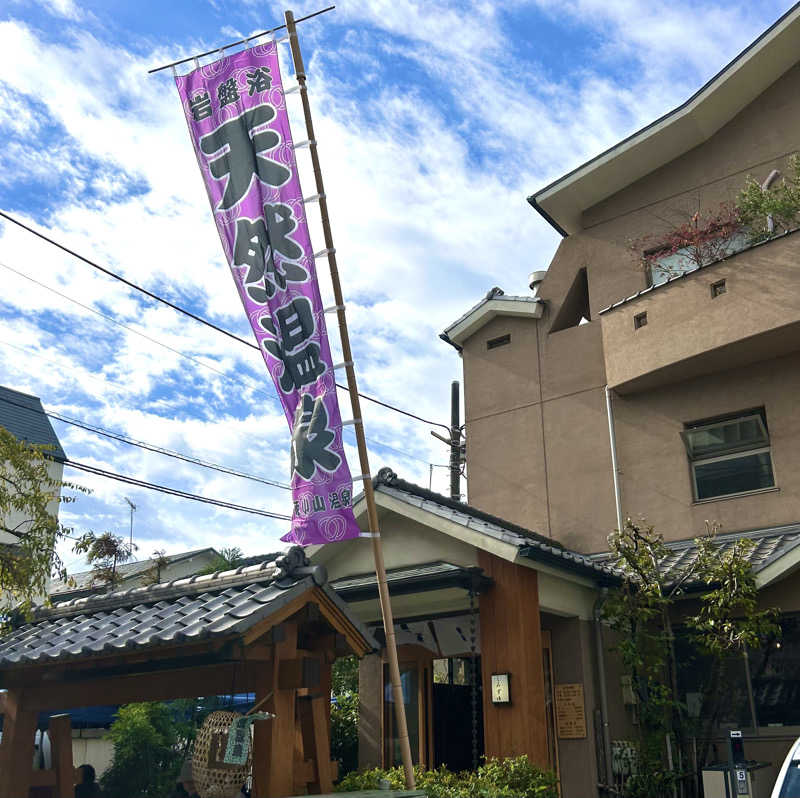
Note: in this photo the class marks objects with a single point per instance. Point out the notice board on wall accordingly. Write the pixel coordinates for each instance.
(570, 713)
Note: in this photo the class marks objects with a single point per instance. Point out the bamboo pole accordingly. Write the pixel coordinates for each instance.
(369, 495)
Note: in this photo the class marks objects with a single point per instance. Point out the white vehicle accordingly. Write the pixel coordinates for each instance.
(787, 784)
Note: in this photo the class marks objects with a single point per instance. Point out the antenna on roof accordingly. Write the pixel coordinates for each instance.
(133, 509)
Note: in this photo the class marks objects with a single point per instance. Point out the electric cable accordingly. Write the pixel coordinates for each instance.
(117, 436)
(193, 316)
(140, 483)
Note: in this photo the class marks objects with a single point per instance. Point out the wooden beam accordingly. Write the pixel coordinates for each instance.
(282, 728)
(262, 627)
(61, 743)
(155, 686)
(44, 778)
(316, 741)
(263, 688)
(299, 672)
(274, 740)
(340, 622)
(17, 746)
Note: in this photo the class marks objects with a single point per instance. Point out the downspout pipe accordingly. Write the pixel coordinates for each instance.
(612, 436)
(601, 676)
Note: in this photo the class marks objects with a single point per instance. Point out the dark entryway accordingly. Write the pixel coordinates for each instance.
(452, 713)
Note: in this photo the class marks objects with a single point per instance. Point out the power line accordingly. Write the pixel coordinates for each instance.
(191, 315)
(124, 388)
(118, 323)
(140, 483)
(150, 447)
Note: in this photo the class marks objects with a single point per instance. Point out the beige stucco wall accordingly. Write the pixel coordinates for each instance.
(655, 478)
(690, 333)
(574, 662)
(405, 543)
(538, 448)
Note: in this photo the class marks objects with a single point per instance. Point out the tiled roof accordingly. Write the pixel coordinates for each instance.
(493, 293)
(187, 610)
(23, 416)
(531, 544)
(84, 580)
(770, 544)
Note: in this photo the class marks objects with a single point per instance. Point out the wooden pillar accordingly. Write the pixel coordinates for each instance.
(274, 742)
(61, 744)
(511, 642)
(17, 746)
(314, 722)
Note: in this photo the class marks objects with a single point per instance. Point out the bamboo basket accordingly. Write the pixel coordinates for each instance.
(213, 777)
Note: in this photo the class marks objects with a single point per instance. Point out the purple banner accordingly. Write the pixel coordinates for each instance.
(236, 112)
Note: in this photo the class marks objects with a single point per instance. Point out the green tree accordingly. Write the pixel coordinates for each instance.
(228, 558)
(768, 212)
(105, 553)
(27, 492)
(641, 611)
(344, 714)
(149, 745)
(152, 576)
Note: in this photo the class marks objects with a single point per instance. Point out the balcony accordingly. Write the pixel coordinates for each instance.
(737, 311)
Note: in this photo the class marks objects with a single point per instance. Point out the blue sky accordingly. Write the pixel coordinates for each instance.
(435, 121)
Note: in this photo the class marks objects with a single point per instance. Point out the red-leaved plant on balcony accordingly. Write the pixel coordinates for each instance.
(705, 238)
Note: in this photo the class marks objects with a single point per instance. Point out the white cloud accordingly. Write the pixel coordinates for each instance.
(426, 183)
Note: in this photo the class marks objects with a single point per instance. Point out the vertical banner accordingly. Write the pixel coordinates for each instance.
(236, 111)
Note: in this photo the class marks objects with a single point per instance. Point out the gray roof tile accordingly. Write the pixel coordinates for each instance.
(231, 602)
(771, 543)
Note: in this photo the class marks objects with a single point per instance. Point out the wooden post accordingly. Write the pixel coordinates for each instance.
(17, 746)
(61, 743)
(372, 511)
(274, 743)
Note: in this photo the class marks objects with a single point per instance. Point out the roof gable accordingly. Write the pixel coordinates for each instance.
(24, 417)
(495, 303)
(475, 528)
(772, 54)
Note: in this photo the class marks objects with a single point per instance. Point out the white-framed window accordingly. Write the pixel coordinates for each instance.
(729, 455)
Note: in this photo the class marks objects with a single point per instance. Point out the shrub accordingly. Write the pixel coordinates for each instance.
(344, 732)
(147, 752)
(512, 777)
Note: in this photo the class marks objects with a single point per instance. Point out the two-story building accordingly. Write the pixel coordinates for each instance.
(643, 379)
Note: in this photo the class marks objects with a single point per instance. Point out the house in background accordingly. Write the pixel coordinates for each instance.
(670, 392)
(24, 417)
(138, 573)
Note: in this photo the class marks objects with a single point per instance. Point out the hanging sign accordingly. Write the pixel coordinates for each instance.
(236, 111)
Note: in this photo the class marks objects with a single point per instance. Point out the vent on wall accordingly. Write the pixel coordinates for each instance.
(575, 308)
(502, 340)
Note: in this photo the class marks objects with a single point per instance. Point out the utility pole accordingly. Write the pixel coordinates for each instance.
(457, 448)
(133, 509)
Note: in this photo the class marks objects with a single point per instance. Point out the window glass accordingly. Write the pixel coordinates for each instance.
(409, 682)
(733, 474)
(727, 700)
(685, 260)
(774, 671)
(736, 434)
(730, 455)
